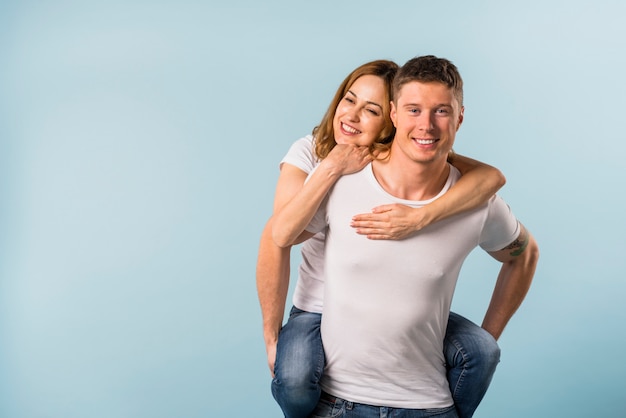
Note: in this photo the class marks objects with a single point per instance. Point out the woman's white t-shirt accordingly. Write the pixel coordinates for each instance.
(309, 292)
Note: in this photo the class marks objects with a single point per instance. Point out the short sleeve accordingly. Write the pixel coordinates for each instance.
(501, 226)
(301, 154)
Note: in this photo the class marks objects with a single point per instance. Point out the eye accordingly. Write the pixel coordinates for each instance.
(442, 111)
(373, 112)
(348, 99)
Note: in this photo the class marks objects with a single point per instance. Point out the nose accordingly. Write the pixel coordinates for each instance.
(425, 122)
(353, 114)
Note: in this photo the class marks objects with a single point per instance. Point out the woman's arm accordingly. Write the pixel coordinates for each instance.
(273, 262)
(272, 280)
(477, 184)
(293, 218)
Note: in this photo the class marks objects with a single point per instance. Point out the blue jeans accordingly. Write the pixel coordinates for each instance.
(471, 353)
(331, 407)
(299, 364)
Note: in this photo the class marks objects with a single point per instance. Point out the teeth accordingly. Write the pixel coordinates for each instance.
(349, 129)
(425, 141)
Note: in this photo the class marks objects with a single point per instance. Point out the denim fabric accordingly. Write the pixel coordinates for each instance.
(299, 364)
(471, 353)
(330, 407)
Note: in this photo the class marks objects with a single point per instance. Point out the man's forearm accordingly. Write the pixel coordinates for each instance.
(511, 288)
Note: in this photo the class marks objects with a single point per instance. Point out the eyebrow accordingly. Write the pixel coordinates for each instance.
(436, 106)
(367, 101)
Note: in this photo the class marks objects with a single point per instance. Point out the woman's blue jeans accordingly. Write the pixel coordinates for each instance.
(471, 353)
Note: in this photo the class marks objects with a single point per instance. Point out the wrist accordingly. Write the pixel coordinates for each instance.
(495, 333)
(329, 169)
(427, 216)
(271, 335)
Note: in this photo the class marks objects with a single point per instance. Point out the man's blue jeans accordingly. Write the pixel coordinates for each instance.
(471, 353)
(331, 407)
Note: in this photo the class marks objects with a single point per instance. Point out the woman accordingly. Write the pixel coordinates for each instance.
(355, 124)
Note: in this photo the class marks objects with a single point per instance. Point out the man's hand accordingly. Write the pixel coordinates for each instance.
(394, 221)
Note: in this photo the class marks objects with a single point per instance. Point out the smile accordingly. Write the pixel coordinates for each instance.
(349, 129)
(425, 141)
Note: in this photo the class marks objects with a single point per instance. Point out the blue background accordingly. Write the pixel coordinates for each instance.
(139, 149)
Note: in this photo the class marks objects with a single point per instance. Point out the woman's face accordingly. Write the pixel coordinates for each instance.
(359, 116)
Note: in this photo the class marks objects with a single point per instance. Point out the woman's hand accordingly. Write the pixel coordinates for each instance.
(270, 348)
(394, 221)
(347, 159)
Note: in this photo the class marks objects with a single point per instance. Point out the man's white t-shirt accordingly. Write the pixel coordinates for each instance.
(386, 303)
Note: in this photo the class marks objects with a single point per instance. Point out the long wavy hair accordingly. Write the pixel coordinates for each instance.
(324, 133)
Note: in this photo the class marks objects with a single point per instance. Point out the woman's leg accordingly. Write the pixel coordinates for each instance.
(472, 355)
(299, 364)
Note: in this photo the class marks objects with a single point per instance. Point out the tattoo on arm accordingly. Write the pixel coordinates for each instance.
(518, 246)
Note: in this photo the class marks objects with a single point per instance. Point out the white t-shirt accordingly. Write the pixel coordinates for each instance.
(309, 292)
(386, 303)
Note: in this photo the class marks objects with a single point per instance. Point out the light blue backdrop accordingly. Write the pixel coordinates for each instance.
(139, 148)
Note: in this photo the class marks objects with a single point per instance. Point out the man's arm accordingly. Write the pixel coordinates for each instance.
(478, 183)
(519, 262)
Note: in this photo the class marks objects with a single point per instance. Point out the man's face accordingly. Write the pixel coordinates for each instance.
(426, 116)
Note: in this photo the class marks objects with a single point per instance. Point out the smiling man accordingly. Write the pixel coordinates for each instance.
(387, 302)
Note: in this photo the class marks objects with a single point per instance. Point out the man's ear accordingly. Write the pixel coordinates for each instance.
(460, 120)
(393, 114)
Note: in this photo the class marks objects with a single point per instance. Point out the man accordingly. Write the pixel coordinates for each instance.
(387, 302)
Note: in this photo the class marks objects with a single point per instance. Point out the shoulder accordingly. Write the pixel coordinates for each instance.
(454, 175)
(303, 145)
(501, 226)
(301, 154)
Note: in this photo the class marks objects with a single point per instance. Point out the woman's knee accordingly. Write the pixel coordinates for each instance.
(472, 342)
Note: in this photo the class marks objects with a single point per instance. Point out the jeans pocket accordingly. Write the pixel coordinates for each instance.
(327, 409)
(448, 412)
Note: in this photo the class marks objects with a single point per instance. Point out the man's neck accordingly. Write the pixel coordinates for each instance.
(410, 180)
